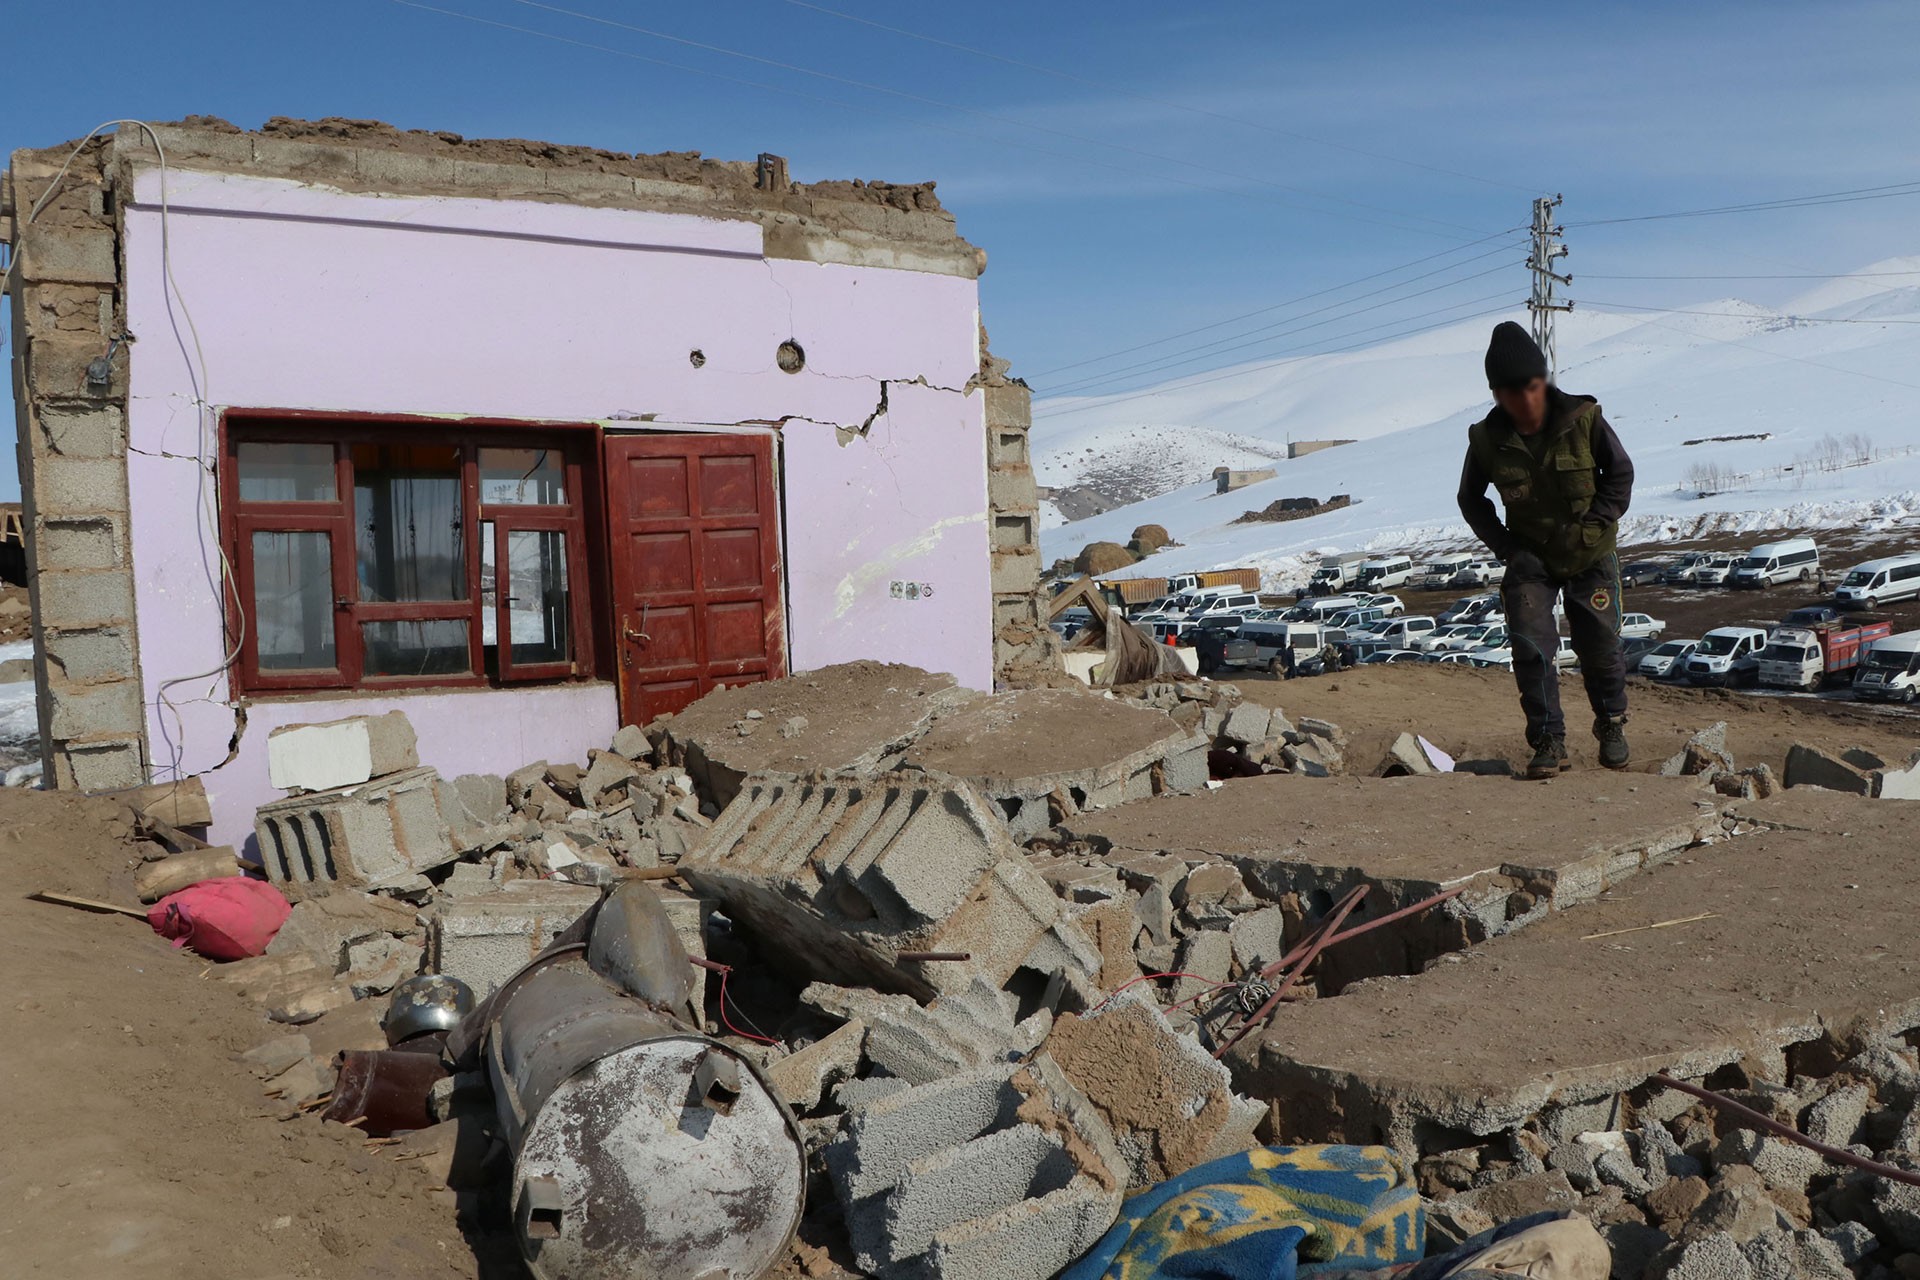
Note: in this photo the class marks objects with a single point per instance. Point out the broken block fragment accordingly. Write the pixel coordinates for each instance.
(340, 753)
(368, 835)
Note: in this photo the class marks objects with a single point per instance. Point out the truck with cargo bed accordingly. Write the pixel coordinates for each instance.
(1807, 657)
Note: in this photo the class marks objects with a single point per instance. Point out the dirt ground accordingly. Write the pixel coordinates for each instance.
(1474, 714)
(136, 1145)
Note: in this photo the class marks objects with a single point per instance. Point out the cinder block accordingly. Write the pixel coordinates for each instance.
(373, 834)
(1011, 489)
(498, 178)
(68, 310)
(590, 182)
(1009, 405)
(87, 657)
(188, 143)
(71, 256)
(56, 369)
(1013, 533)
(80, 542)
(340, 753)
(842, 875)
(63, 484)
(95, 710)
(101, 765)
(311, 161)
(1014, 571)
(404, 169)
(85, 431)
(1008, 447)
(484, 939)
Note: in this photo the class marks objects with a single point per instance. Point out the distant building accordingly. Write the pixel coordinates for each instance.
(1226, 479)
(1301, 448)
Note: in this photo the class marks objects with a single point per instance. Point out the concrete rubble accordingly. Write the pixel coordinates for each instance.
(989, 950)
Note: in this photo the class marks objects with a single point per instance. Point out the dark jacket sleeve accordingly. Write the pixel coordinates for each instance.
(1482, 516)
(1613, 481)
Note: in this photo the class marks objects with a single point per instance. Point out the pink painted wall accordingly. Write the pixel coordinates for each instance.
(309, 298)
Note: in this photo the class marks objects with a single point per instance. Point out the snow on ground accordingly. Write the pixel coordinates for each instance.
(19, 718)
(1839, 404)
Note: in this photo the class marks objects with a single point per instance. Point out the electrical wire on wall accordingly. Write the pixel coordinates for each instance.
(220, 578)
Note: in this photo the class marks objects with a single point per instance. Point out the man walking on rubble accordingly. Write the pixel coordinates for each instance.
(1565, 480)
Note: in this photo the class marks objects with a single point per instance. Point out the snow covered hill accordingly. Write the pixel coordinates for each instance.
(1831, 380)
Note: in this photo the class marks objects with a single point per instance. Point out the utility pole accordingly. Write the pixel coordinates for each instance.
(1546, 248)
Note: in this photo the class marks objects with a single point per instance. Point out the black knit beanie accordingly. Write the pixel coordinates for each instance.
(1513, 358)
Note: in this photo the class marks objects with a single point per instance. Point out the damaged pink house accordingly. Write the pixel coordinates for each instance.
(524, 440)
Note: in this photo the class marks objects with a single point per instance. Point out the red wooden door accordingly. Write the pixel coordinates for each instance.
(696, 567)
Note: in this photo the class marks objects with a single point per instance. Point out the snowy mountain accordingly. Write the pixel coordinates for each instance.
(1830, 381)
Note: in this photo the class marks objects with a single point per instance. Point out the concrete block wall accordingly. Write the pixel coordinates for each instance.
(67, 311)
(1013, 509)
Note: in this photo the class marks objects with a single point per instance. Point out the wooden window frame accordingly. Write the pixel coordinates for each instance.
(579, 451)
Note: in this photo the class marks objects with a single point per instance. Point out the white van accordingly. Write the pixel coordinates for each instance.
(1270, 638)
(1891, 670)
(1210, 606)
(1326, 606)
(1440, 573)
(1385, 573)
(1878, 582)
(1795, 560)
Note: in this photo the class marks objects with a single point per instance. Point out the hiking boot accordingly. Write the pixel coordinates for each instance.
(1612, 732)
(1549, 756)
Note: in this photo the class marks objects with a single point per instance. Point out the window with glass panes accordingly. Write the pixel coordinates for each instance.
(379, 556)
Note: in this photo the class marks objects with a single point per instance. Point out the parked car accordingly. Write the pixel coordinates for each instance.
(1680, 572)
(1501, 655)
(1640, 625)
(1391, 604)
(1451, 659)
(1727, 656)
(1407, 632)
(1813, 615)
(1641, 572)
(1470, 609)
(1478, 635)
(1712, 572)
(1667, 660)
(1480, 573)
(1393, 655)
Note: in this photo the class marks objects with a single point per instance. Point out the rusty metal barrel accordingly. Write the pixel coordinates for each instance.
(643, 1149)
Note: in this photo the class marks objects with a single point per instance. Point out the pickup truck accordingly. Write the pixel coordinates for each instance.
(1804, 657)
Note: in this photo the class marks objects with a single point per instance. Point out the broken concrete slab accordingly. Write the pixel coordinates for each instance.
(1411, 838)
(484, 939)
(803, 1077)
(1809, 766)
(973, 1026)
(1006, 1173)
(327, 926)
(1807, 937)
(1042, 753)
(841, 877)
(374, 834)
(858, 717)
(340, 753)
(1169, 1103)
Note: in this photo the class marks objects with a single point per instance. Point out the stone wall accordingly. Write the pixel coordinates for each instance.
(1021, 640)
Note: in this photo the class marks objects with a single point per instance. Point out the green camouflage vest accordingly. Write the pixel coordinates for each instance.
(1546, 498)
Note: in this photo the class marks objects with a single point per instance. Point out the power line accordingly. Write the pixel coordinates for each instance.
(922, 99)
(1804, 275)
(1213, 349)
(1278, 306)
(1854, 195)
(1148, 98)
(1104, 402)
(1740, 315)
(1781, 355)
(874, 112)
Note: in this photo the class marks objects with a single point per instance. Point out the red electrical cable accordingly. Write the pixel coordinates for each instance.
(726, 970)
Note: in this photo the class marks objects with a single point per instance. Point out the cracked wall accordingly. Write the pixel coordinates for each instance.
(310, 295)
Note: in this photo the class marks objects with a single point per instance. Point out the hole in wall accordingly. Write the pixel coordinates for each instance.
(790, 357)
(696, 357)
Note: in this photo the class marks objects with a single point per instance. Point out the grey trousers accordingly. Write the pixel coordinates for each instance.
(1592, 602)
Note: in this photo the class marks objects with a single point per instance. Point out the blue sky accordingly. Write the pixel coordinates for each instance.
(1148, 169)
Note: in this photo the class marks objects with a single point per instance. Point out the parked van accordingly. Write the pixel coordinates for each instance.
(1439, 573)
(1270, 639)
(1795, 560)
(1385, 573)
(1727, 656)
(1878, 582)
(1326, 606)
(1891, 670)
(1406, 633)
(1225, 602)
